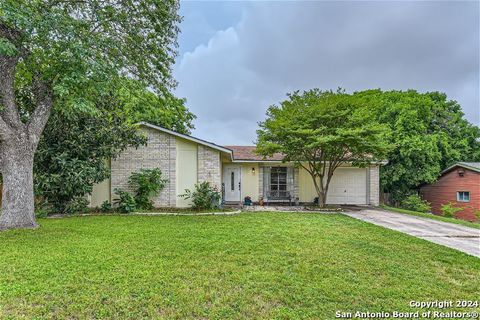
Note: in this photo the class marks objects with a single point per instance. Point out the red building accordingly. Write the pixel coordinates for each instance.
(458, 184)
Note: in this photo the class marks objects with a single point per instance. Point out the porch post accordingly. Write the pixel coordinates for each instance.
(296, 187)
(260, 182)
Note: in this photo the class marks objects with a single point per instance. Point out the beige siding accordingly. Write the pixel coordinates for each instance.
(306, 192)
(100, 193)
(250, 181)
(186, 169)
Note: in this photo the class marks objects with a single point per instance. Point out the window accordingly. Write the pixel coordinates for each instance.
(463, 196)
(278, 179)
(232, 181)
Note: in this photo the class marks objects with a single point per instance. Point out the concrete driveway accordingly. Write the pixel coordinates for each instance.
(451, 235)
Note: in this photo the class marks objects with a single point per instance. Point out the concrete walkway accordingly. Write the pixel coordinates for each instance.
(451, 235)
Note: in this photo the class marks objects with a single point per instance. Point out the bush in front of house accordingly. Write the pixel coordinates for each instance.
(106, 206)
(415, 203)
(77, 205)
(476, 213)
(146, 183)
(449, 210)
(203, 197)
(126, 202)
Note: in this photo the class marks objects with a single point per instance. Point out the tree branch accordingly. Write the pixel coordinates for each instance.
(4, 130)
(9, 33)
(44, 102)
(7, 91)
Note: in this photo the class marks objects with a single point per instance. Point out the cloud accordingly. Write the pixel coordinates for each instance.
(277, 47)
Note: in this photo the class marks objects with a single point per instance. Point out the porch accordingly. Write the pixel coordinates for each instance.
(262, 183)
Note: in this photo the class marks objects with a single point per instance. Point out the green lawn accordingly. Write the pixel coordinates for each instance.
(434, 217)
(252, 265)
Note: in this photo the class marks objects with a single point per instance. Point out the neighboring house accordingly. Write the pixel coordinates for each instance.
(235, 170)
(458, 184)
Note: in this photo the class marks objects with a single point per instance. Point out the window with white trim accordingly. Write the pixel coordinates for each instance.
(463, 196)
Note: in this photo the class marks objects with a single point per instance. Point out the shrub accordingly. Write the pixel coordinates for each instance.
(126, 202)
(415, 203)
(477, 214)
(146, 183)
(449, 210)
(106, 206)
(41, 213)
(203, 197)
(77, 205)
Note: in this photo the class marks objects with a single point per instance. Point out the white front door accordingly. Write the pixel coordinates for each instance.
(231, 178)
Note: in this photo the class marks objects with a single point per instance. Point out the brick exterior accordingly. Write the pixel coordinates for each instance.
(160, 152)
(374, 185)
(444, 190)
(209, 166)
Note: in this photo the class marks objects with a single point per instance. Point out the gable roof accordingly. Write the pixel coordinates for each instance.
(474, 166)
(247, 153)
(236, 153)
(187, 137)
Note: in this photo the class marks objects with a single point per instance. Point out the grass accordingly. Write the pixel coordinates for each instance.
(97, 211)
(252, 265)
(434, 217)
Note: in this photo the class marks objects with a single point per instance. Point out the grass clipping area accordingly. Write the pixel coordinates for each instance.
(253, 265)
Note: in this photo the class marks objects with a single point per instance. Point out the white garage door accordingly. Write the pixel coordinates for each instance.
(348, 186)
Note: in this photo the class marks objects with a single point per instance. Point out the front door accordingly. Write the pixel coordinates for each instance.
(231, 178)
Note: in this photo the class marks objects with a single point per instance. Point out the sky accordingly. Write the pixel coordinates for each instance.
(238, 58)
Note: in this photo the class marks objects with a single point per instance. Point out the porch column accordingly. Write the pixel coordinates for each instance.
(296, 186)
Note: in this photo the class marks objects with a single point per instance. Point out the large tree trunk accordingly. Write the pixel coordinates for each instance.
(322, 199)
(19, 140)
(321, 191)
(18, 198)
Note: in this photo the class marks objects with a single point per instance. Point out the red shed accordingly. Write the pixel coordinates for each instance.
(458, 184)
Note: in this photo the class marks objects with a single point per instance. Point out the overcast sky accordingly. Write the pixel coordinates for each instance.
(237, 58)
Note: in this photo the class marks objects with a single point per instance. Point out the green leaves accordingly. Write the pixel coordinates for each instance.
(147, 183)
(322, 126)
(203, 197)
(74, 151)
(321, 130)
(7, 48)
(429, 133)
(78, 46)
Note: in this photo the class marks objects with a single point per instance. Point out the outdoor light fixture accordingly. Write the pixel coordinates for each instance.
(253, 170)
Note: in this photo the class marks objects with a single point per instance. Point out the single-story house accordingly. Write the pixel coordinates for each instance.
(235, 170)
(459, 184)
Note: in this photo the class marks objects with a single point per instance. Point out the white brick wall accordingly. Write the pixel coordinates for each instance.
(160, 152)
(374, 185)
(209, 166)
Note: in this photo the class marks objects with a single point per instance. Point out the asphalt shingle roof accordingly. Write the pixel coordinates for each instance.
(248, 153)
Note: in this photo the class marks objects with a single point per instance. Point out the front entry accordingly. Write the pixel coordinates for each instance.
(232, 180)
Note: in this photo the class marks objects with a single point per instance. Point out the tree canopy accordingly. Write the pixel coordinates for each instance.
(65, 54)
(429, 133)
(321, 130)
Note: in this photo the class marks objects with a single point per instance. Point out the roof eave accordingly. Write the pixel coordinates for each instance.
(462, 165)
